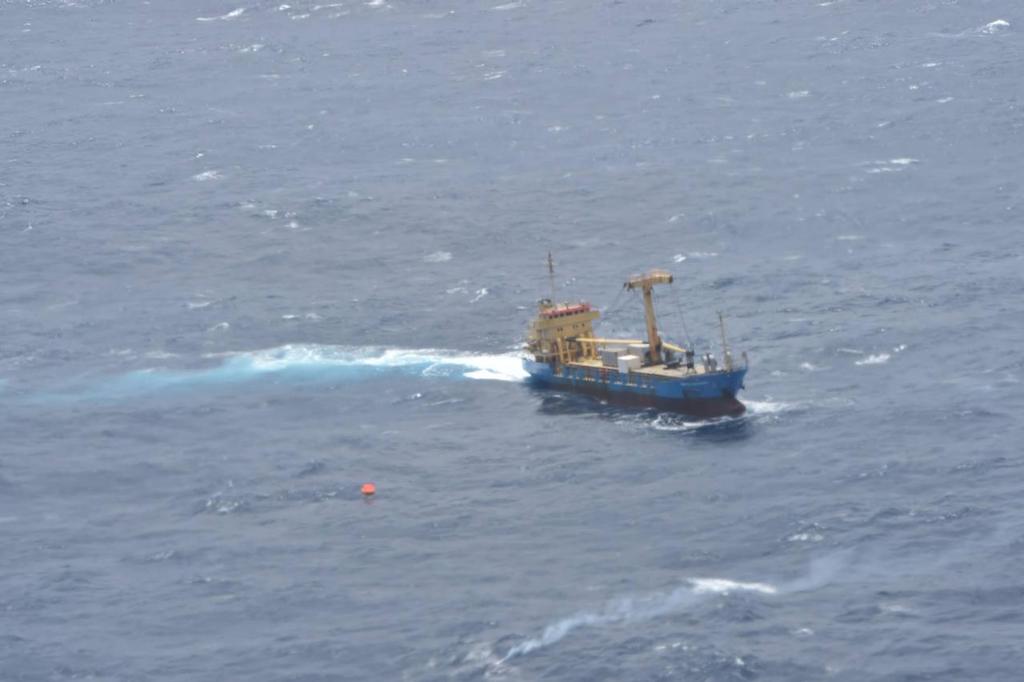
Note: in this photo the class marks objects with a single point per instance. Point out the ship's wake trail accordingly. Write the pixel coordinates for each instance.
(306, 362)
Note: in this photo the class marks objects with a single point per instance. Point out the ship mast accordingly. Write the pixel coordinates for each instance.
(726, 355)
(551, 275)
(645, 283)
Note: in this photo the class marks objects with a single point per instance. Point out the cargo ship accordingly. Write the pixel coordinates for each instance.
(566, 354)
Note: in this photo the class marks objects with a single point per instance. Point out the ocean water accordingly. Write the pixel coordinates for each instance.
(254, 254)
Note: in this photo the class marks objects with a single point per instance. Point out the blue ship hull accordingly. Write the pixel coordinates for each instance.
(704, 395)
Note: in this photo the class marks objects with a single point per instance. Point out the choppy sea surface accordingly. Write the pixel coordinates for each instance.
(255, 254)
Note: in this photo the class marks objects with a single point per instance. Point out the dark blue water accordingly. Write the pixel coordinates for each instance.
(253, 255)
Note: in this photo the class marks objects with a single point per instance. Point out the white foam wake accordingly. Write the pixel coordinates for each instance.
(428, 362)
(757, 407)
(309, 362)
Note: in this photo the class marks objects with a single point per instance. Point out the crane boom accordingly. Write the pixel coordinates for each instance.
(645, 283)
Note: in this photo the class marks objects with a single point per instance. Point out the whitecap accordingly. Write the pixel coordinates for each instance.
(480, 293)
(681, 257)
(207, 175)
(895, 608)
(995, 26)
(437, 257)
(723, 586)
(224, 17)
(509, 5)
(878, 359)
(892, 166)
(798, 94)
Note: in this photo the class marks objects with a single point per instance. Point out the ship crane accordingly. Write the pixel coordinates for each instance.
(646, 283)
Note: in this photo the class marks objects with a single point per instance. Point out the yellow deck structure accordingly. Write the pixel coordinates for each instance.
(564, 333)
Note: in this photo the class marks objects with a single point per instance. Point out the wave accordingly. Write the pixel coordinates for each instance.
(309, 362)
(627, 610)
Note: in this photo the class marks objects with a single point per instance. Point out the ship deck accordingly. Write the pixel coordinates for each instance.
(653, 370)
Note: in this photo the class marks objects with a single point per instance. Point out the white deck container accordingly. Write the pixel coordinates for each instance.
(628, 362)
